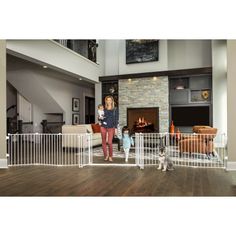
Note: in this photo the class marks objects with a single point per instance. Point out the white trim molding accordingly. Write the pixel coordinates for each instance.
(231, 166)
(3, 164)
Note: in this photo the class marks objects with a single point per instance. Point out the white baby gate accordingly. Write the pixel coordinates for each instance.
(49, 149)
(190, 150)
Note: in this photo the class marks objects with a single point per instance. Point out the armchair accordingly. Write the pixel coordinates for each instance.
(200, 142)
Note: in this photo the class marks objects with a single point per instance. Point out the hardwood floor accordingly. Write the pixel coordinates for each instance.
(115, 181)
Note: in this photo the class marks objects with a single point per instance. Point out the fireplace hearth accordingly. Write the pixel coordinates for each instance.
(143, 120)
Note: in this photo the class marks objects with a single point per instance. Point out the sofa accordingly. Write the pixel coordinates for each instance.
(94, 129)
(201, 141)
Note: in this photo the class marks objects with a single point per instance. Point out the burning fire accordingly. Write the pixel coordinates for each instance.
(141, 122)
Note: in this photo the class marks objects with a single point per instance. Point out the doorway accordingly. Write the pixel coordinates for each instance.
(11, 109)
(89, 110)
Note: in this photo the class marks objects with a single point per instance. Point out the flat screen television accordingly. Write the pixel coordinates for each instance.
(190, 116)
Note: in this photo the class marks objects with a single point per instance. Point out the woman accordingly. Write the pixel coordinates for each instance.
(109, 126)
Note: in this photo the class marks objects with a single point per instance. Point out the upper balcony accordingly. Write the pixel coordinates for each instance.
(65, 58)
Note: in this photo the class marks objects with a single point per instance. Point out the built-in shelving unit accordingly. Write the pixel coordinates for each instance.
(111, 88)
(187, 90)
(191, 91)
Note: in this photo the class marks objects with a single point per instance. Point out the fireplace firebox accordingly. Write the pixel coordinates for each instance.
(143, 120)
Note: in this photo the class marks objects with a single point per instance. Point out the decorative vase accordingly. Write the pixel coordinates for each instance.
(178, 134)
(172, 127)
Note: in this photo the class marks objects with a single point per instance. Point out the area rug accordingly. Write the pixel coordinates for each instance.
(172, 151)
(97, 152)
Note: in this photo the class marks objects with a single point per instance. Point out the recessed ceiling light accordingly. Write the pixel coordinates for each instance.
(154, 78)
(45, 67)
(129, 80)
(80, 78)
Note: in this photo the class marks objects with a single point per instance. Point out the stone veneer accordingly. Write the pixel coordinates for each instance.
(145, 92)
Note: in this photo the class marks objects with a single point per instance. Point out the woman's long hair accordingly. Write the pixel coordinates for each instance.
(112, 104)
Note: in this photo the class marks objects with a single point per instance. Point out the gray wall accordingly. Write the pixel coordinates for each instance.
(219, 83)
(48, 90)
(101, 56)
(145, 92)
(231, 101)
(112, 57)
(3, 159)
(98, 97)
(63, 92)
(173, 54)
(115, 59)
(185, 54)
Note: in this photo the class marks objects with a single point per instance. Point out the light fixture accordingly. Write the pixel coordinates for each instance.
(129, 80)
(179, 87)
(154, 78)
(80, 78)
(45, 67)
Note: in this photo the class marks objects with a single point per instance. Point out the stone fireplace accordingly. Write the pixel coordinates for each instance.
(151, 93)
(143, 119)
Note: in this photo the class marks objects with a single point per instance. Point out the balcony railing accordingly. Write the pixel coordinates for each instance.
(86, 48)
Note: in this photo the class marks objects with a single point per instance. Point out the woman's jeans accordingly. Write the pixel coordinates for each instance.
(110, 132)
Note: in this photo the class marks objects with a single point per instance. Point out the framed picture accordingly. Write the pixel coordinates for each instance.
(75, 119)
(142, 50)
(75, 104)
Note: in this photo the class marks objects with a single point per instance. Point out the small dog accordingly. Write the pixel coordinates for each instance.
(164, 160)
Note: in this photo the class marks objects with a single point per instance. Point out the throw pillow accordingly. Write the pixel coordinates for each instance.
(96, 128)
